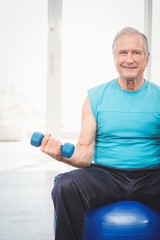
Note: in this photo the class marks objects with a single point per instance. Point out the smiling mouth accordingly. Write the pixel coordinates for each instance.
(129, 67)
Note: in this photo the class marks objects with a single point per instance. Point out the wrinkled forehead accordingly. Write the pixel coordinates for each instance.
(129, 42)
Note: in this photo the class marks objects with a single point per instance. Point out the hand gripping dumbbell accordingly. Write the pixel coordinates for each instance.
(67, 149)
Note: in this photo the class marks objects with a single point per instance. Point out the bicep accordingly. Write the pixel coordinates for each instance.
(88, 126)
(84, 152)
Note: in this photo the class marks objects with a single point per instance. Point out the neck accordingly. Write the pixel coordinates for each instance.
(130, 85)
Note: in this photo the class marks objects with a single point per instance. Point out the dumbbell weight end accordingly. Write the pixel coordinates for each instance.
(67, 149)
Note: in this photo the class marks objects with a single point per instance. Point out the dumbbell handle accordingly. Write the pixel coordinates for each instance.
(67, 149)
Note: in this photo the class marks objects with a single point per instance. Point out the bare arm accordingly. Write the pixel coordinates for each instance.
(84, 151)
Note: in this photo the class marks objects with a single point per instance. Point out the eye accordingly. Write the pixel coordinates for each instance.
(137, 52)
(122, 53)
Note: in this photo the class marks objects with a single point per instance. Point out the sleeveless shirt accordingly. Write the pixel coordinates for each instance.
(128, 125)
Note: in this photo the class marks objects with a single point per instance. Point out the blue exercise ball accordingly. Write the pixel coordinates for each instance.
(124, 220)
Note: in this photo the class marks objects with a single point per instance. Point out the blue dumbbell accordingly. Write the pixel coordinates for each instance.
(67, 149)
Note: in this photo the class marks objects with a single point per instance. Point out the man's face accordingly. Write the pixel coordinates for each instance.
(130, 58)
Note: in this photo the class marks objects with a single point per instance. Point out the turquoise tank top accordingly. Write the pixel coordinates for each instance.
(128, 125)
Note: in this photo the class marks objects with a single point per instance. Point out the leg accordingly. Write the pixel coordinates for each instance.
(79, 190)
(147, 187)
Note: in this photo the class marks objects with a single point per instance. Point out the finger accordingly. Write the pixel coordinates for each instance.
(45, 141)
(54, 147)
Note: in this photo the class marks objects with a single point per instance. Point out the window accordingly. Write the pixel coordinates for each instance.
(23, 71)
(155, 51)
(88, 29)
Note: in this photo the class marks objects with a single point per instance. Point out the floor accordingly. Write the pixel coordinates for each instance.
(26, 180)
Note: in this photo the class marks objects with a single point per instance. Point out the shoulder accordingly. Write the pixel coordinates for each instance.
(100, 88)
(153, 87)
(96, 93)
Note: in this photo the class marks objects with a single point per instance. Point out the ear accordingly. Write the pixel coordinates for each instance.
(148, 58)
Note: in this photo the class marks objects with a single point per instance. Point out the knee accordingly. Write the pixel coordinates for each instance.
(63, 185)
(57, 178)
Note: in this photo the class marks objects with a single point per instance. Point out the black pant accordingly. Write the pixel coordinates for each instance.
(82, 189)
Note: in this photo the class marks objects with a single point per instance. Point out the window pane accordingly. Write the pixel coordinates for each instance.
(88, 29)
(155, 51)
(23, 71)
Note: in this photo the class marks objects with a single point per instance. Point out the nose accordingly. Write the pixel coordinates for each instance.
(129, 58)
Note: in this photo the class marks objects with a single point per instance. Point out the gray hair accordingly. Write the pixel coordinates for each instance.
(130, 30)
